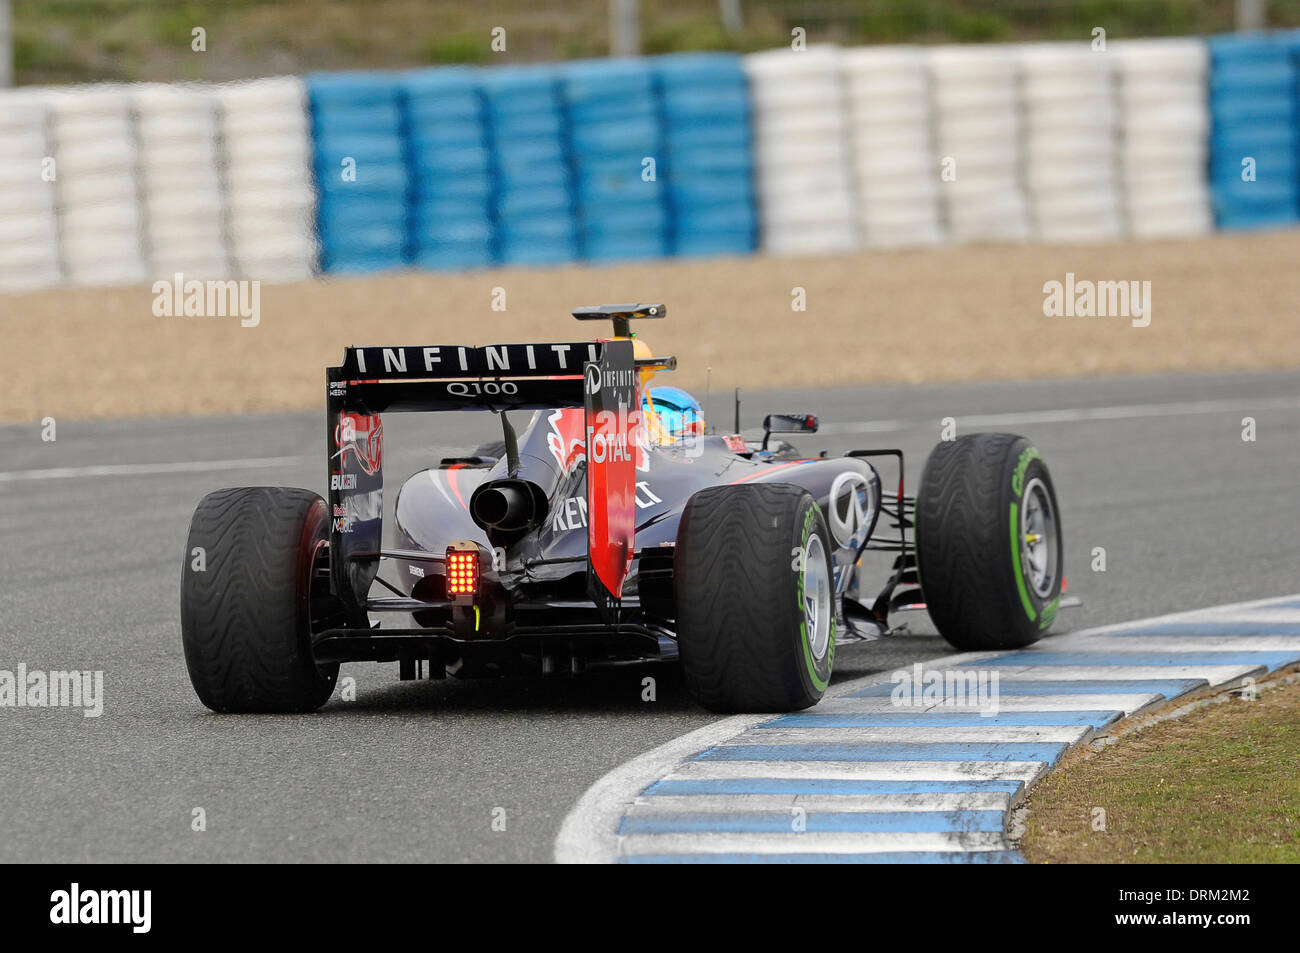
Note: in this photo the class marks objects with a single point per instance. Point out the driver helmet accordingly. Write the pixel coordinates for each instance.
(671, 415)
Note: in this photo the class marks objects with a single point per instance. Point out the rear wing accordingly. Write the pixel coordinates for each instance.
(498, 377)
(599, 376)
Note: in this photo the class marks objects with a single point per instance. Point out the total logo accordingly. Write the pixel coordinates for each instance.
(608, 446)
(567, 446)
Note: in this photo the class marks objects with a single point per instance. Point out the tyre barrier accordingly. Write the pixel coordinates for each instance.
(1254, 162)
(708, 150)
(29, 246)
(978, 130)
(180, 186)
(894, 162)
(532, 199)
(815, 151)
(1164, 123)
(101, 227)
(801, 151)
(267, 182)
(1070, 150)
(363, 177)
(616, 140)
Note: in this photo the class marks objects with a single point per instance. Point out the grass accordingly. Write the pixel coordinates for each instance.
(1219, 785)
(61, 41)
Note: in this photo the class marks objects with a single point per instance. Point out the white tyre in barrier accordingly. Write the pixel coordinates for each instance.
(830, 239)
(29, 277)
(24, 145)
(195, 153)
(88, 221)
(157, 130)
(957, 101)
(242, 126)
(202, 205)
(260, 149)
(91, 156)
(267, 176)
(169, 180)
(197, 265)
(797, 154)
(75, 191)
(107, 275)
(1176, 56)
(35, 230)
(1043, 180)
(1176, 222)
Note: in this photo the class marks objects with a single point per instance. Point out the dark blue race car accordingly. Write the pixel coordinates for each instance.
(614, 528)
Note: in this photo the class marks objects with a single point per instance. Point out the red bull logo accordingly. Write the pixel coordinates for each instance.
(363, 435)
(567, 438)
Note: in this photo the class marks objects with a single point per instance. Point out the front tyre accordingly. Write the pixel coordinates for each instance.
(246, 600)
(988, 542)
(755, 595)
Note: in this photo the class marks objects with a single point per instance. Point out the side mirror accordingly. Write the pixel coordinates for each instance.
(788, 423)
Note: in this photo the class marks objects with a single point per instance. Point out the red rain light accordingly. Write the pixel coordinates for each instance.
(462, 572)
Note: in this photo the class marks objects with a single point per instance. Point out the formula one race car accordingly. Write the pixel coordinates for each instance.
(613, 529)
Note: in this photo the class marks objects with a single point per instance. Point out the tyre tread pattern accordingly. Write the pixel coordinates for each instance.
(243, 619)
(963, 544)
(736, 597)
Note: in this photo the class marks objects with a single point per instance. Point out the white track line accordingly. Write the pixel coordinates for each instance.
(1008, 703)
(1263, 614)
(1224, 613)
(1022, 771)
(942, 734)
(147, 469)
(834, 803)
(1176, 644)
(808, 842)
(1073, 415)
(1214, 674)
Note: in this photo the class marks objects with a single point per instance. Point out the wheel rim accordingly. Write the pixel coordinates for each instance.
(1038, 538)
(816, 598)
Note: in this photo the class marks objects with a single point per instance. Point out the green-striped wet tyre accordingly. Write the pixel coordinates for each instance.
(988, 541)
(755, 597)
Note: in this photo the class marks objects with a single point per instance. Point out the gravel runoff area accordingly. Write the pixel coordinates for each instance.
(1224, 303)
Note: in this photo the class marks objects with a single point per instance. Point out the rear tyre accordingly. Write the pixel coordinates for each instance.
(988, 542)
(755, 596)
(246, 600)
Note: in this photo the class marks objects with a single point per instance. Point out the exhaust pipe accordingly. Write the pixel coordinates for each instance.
(508, 507)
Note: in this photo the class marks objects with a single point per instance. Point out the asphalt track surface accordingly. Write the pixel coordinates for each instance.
(1154, 471)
